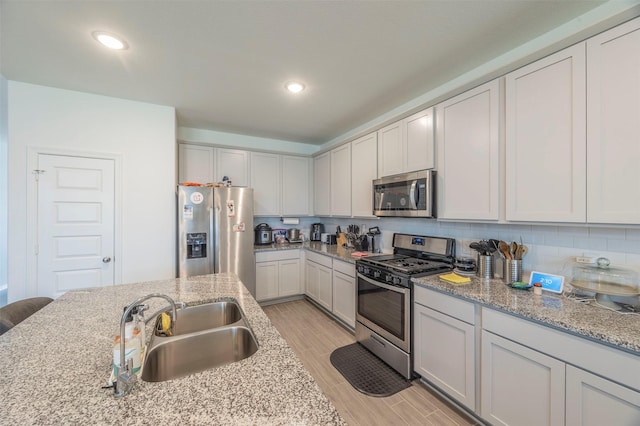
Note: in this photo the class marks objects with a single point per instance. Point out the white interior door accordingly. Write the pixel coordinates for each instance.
(75, 223)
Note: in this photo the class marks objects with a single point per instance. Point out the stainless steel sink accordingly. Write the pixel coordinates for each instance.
(172, 357)
(204, 317)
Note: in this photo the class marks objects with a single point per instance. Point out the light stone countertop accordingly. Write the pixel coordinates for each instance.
(595, 323)
(56, 361)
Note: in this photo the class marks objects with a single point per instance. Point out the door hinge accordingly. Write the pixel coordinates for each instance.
(37, 173)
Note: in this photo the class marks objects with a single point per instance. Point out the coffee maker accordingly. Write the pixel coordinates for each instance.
(316, 231)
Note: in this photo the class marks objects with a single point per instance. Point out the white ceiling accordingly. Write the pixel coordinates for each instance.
(223, 64)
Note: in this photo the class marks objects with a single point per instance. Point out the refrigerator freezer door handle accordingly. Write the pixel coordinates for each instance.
(213, 232)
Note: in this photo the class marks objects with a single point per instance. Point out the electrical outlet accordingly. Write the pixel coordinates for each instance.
(585, 259)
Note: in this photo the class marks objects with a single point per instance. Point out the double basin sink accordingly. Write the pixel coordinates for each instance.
(203, 337)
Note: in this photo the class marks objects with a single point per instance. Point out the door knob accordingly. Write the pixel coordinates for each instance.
(106, 259)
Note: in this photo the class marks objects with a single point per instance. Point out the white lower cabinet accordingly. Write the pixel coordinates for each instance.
(536, 375)
(520, 386)
(278, 274)
(332, 284)
(594, 401)
(344, 292)
(319, 278)
(444, 345)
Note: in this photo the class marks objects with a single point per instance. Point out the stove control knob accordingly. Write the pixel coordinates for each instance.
(388, 278)
(396, 280)
(365, 271)
(360, 268)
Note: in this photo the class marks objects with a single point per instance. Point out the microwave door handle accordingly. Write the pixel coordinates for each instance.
(413, 195)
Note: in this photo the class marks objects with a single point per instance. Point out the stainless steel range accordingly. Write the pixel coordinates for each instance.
(385, 295)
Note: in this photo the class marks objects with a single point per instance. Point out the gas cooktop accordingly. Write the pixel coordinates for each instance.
(407, 264)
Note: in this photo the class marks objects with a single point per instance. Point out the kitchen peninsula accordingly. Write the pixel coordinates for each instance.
(56, 362)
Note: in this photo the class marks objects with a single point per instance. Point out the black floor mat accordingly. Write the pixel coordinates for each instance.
(366, 372)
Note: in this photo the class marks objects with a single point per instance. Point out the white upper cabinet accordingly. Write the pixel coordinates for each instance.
(265, 181)
(195, 163)
(233, 163)
(322, 182)
(468, 146)
(407, 145)
(340, 191)
(390, 150)
(296, 185)
(546, 139)
(418, 130)
(364, 169)
(613, 125)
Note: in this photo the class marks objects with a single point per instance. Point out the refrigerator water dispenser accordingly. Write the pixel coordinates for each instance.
(196, 245)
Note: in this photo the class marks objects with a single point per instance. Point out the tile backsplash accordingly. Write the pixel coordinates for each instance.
(551, 247)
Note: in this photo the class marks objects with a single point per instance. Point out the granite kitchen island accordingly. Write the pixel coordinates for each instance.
(56, 362)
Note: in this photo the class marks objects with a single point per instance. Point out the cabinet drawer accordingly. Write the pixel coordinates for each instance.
(319, 258)
(270, 256)
(449, 305)
(345, 267)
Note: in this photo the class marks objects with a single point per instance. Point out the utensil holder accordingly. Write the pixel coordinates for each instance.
(512, 270)
(485, 266)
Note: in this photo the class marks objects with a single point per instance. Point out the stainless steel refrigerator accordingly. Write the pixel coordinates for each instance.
(215, 232)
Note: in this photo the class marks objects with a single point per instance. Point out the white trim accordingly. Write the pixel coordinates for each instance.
(31, 284)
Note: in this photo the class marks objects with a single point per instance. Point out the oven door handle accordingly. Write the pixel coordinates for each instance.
(403, 290)
(412, 195)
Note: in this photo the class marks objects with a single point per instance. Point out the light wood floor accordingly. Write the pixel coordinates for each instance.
(314, 335)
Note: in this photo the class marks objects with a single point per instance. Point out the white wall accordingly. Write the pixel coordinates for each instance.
(143, 135)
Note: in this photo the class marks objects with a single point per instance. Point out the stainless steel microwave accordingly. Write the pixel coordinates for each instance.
(405, 195)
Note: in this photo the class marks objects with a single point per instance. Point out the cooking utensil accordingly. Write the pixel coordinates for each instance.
(476, 246)
(513, 248)
(503, 247)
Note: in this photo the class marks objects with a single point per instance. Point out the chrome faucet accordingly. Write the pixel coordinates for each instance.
(125, 378)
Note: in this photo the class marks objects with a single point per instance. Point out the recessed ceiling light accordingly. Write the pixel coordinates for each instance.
(294, 87)
(111, 41)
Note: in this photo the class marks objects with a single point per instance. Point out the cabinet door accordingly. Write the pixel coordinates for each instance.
(295, 185)
(234, 164)
(545, 139)
(321, 184)
(364, 169)
(325, 287)
(289, 274)
(594, 401)
(195, 163)
(468, 145)
(266, 280)
(613, 125)
(265, 181)
(419, 154)
(311, 278)
(445, 353)
(520, 386)
(390, 150)
(344, 298)
(341, 181)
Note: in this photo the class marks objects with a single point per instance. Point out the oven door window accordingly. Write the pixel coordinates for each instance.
(385, 308)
